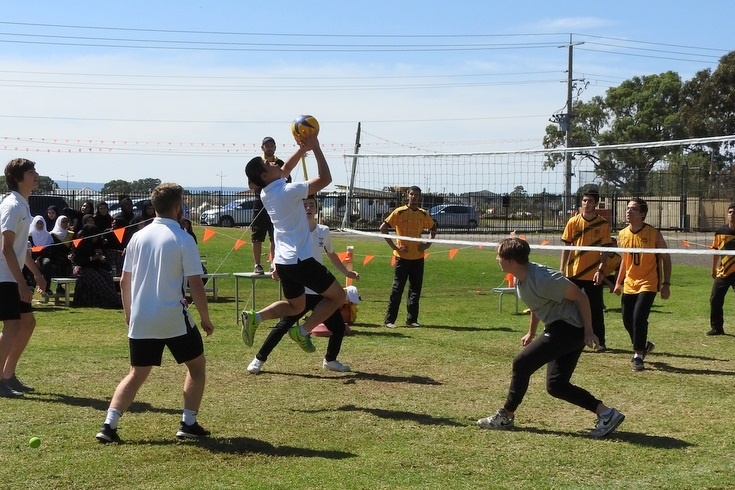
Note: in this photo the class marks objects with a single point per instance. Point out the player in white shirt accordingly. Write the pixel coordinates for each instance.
(159, 261)
(295, 264)
(321, 242)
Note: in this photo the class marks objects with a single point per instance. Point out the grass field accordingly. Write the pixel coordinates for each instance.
(404, 418)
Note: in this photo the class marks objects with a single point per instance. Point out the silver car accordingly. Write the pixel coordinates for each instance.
(454, 216)
(236, 213)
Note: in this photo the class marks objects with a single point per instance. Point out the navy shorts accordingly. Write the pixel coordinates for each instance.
(11, 307)
(309, 273)
(149, 352)
(261, 225)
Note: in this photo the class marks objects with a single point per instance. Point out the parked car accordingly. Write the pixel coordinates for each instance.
(115, 209)
(39, 204)
(236, 213)
(454, 216)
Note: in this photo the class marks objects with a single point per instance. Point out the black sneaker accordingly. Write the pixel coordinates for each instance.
(714, 331)
(193, 431)
(107, 434)
(8, 392)
(637, 364)
(17, 385)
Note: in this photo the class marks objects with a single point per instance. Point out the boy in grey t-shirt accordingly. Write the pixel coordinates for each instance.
(565, 311)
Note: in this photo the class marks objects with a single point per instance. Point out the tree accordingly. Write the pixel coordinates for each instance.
(119, 187)
(145, 186)
(46, 184)
(641, 109)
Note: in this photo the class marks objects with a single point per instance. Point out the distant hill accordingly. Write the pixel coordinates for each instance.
(97, 187)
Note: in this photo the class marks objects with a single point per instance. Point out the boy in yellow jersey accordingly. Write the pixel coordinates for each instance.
(586, 268)
(723, 272)
(409, 221)
(640, 277)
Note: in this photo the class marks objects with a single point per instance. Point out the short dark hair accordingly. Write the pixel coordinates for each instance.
(14, 171)
(514, 249)
(416, 189)
(731, 206)
(592, 192)
(643, 205)
(254, 172)
(166, 196)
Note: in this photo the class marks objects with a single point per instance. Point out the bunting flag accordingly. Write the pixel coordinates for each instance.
(208, 233)
(239, 244)
(76, 242)
(119, 233)
(36, 249)
(510, 278)
(544, 242)
(452, 253)
(367, 259)
(426, 255)
(685, 243)
(342, 256)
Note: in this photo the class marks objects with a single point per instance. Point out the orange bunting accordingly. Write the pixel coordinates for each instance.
(392, 260)
(522, 238)
(119, 233)
(341, 256)
(511, 280)
(545, 242)
(452, 253)
(426, 255)
(36, 249)
(76, 242)
(479, 247)
(239, 244)
(208, 233)
(368, 258)
(685, 243)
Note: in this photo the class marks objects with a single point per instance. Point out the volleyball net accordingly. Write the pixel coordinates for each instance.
(478, 198)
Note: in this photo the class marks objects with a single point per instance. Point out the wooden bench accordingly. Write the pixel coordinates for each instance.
(60, 281)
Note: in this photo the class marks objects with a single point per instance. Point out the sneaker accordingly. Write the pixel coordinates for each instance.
(17, 385)
(600, 348)
(649, 348)
(715, 331)
(107, 434)
(637, 363)
(500, 420)
(304, 341)
(390, 325)
(258, 269)
(255, 366)
(249, 326)
(414, 324)
(193, 431)
(8, 392)
(605, 424)
(335, 366)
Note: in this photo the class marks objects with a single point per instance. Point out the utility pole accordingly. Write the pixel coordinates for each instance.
(351, 188)
(221, 176)
(67, 181)
(567, 126)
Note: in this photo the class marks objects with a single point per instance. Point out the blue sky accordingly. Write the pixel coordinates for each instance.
(185, 91)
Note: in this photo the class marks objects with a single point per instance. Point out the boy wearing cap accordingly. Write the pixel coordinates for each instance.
(586, 268)
(261, 223)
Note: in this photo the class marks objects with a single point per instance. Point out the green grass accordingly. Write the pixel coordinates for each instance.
(405, 418)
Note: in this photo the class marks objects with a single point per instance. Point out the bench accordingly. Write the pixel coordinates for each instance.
(60, 281)
(211, 286)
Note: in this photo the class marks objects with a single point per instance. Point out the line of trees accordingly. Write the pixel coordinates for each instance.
(657, 108)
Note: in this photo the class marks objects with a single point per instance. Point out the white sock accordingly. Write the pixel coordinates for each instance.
(258, 318)
(189, 417)
(303, 331)
(113, 417)
(638, 355)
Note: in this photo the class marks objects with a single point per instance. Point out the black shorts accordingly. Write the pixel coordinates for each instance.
(149, 352)
(11, 307)
(306, 273)
(261, 225)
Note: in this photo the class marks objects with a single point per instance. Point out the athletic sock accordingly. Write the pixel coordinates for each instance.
(258, 318)
(303, 331)
(113, 417)
(189, 417)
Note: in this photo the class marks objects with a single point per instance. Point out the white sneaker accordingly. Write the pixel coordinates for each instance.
(255, 366)
(335, 366)
(390, 325)
(607, 422)
(500, 420)
(414, 324)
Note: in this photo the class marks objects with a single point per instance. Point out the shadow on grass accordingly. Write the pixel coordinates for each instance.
(77, 401)
(354, 376)
(647, 440)
(395, 332)
(246, 445)
(658, 353)
(662, 366)
(419, 418)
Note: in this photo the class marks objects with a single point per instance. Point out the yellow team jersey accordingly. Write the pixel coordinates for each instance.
(642, 270)
(725, 240)
(580, 232)
(612, 265)
(409, 223)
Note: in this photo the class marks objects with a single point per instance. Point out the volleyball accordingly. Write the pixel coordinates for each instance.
(304, 126)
